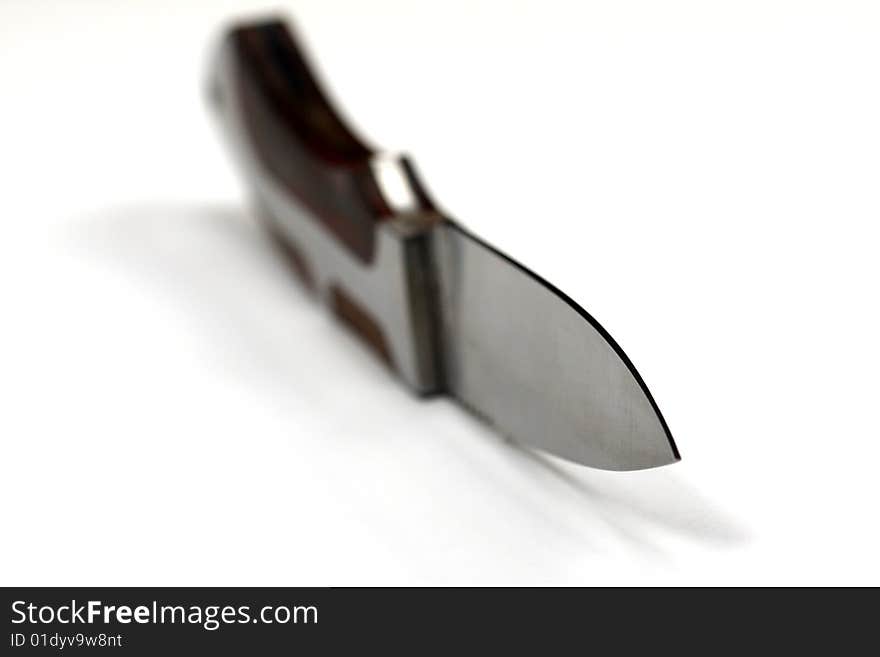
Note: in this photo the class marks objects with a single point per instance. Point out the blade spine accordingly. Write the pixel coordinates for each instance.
(574, 305)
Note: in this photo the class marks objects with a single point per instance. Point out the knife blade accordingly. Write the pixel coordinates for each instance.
(447, 312)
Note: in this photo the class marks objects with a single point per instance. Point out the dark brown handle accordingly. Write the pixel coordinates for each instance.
(298, 137)
(301, 159)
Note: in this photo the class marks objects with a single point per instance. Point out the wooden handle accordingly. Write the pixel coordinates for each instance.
(354, 224)
(300, 140)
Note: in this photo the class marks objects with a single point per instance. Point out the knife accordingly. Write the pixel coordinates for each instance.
(447, 312)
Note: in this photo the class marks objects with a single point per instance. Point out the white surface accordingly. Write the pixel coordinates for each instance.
(702, 176)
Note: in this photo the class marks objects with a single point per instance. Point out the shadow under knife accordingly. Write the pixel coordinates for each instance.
(658, 497)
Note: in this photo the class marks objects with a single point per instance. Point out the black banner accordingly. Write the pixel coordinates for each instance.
(269, 621)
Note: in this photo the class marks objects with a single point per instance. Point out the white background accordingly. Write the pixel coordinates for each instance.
(702, 176)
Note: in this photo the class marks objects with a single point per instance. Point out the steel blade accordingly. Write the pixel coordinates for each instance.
(537, 366)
